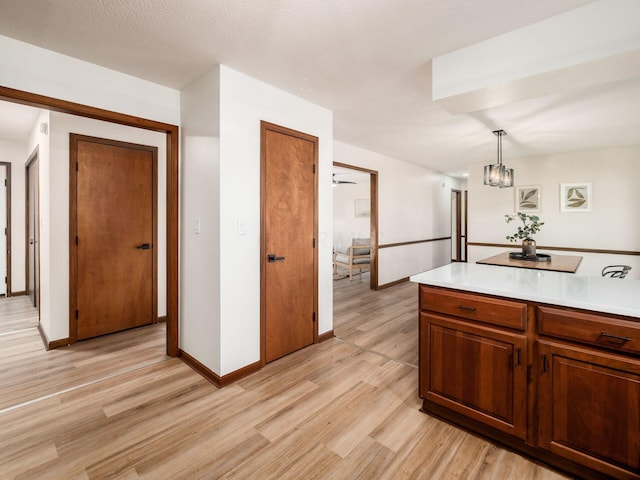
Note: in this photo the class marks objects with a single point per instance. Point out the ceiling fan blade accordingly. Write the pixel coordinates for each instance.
(340, 182)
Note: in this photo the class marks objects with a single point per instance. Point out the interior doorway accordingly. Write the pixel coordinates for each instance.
(5, 229)
(458, 226)
(355, 217)
(32, 228)
(172, 227)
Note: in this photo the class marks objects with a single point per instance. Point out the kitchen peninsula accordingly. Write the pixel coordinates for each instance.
(547, 363)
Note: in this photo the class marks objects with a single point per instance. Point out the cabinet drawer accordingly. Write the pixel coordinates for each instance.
(495, 311)
(600, 330)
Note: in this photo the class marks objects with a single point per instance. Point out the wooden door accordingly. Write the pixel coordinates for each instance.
(475, 370)
(4, 229)
(33, 229)
(113, 244)
(456, 226)
(289, 225)
(589, 407)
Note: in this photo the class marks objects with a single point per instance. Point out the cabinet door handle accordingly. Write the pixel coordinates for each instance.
(544, 364)
(615, 338)
(518, 356)
(467, 309)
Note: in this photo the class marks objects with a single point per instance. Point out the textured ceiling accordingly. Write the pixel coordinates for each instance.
(367, 60)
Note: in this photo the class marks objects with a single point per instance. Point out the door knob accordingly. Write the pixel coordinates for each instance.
(272, 258)
(144, 246)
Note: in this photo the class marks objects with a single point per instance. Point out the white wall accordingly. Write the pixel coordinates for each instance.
(37, 70)
(611, 225)
(15, 154)
(414, 203)
(346, 225)
(233, 183)
(200, 199)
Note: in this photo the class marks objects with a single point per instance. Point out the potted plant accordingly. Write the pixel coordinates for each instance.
(530, 224)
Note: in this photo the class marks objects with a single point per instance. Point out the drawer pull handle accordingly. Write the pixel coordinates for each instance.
(615, 338)
(467, 309)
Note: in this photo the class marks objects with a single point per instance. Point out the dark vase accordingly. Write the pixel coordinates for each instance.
(529, 247)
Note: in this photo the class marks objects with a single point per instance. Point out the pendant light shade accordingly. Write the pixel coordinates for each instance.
(496, 174)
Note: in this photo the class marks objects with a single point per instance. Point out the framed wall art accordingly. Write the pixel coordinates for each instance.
(362, 207)
(528, 198)
(575, 197)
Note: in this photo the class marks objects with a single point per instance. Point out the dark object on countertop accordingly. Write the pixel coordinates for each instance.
(539, 257)
(615, 271)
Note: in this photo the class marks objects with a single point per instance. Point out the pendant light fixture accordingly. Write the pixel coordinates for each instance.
(497, 175)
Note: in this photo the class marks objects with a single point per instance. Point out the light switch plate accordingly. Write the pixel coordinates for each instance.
(242, 226)
(197, 225)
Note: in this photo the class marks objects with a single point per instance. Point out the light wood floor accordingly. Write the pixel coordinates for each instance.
(17, 313)
(343, 409)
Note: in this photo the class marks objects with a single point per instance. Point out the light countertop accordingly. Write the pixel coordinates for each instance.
(608, 295)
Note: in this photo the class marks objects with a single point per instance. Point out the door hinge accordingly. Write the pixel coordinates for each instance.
(314, 168)
(314, 317)
(314, 243)
(76, 240)
(76, 314)
(76, 166)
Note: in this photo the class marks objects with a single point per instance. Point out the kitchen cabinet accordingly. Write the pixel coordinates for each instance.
(475, 370)
(589, 407)
(559, 384)
(473, 357)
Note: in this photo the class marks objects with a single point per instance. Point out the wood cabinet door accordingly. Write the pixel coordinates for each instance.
(477, 371)
(589, 407)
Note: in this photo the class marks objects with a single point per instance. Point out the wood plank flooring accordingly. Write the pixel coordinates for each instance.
(17, 313)
(343, 409)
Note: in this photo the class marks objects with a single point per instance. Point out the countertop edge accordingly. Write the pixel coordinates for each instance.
(458, 276)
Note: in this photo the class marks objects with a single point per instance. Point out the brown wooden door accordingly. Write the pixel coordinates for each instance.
(289, 219)
(33, 229)
(114, 215)
(475, 370)
(5, 228)
(589, 407)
